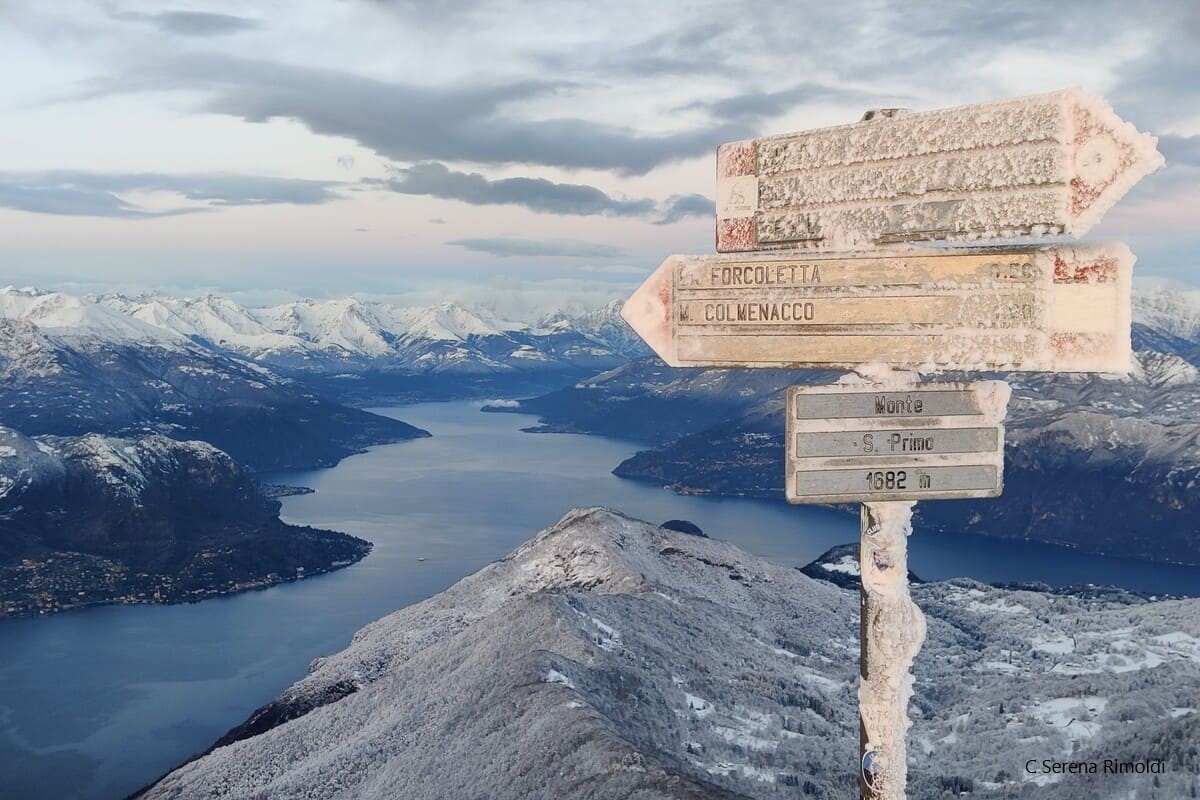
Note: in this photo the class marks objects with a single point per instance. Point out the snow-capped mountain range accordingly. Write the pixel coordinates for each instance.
(340, 333)
(333, 335)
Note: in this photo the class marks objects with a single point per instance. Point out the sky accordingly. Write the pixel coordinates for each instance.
(473, 148)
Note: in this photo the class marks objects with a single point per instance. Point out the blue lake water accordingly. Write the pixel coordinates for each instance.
(95, 703)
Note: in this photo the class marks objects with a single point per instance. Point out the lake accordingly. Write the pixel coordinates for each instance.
(95, 703)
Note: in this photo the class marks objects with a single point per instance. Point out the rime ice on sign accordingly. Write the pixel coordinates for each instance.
(1063, 308)
(1050, 164)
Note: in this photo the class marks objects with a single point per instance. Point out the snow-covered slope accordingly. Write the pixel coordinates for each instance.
(79, 318)
(445, 322)
(1175, 311)
(94, 519)
(209, 320)
(611, 658)
(345, 327)
(66, 384)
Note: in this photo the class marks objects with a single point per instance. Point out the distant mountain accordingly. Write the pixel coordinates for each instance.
(1101, 464)
(1171, 311)
(350, 349)
(72, 368)
(603, 325)
(352, 334)
(647, 401)
(612, 658)
(97, 519)
(1105, 466)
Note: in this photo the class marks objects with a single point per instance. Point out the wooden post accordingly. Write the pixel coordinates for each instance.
(891, 632)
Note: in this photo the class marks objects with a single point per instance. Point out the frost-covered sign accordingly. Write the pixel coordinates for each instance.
(854, 443)
(1050, 164)
(1064, 308)
(816, 271)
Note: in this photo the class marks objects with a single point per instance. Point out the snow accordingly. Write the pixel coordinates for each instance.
(846, 564)
(1056, 646)
(1174, 310)
(1074, 716)
(326, 333)
(609, 638)
(209, 318)
(894, 631)
(697, 705)
(447, 322)
(554, 676)
(1056, 162)
(704, 669)
(346, 325)
(77, 317)
(814, 678)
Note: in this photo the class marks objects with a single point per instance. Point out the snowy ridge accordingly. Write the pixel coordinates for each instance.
(447, 322)
(64, 314)
(350, 333)
(128, 465)
(333, 334)
(611, 654)
(1173, 311)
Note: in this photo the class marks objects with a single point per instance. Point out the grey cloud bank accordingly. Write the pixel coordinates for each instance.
(77, 193)
(680, 206)
(408, 122)
(191, 23)
(537, 194)
(509, 246)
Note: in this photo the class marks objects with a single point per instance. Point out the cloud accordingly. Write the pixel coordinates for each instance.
(77, 193)
(680, 206)
(1180, 150)
(687, 50)
(754, 106)
(437, 221)
(509, 246)
(191, 23)
(408, 122)
(73, 201)
(537, 194)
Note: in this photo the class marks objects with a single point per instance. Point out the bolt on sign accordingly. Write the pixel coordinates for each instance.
(936, 441)
(1063, 308)
(1050, 164)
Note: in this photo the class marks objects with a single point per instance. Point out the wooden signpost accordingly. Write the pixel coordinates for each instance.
(815, 272)
(1063, 308)
(1050, 164)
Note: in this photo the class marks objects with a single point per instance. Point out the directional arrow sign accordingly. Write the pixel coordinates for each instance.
(1051, 164)
(936, 441)
(1060, 308)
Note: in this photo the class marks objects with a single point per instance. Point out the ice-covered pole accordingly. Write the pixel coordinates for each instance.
(892, 631)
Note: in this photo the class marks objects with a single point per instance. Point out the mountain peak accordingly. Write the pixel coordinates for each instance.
(611, 654)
